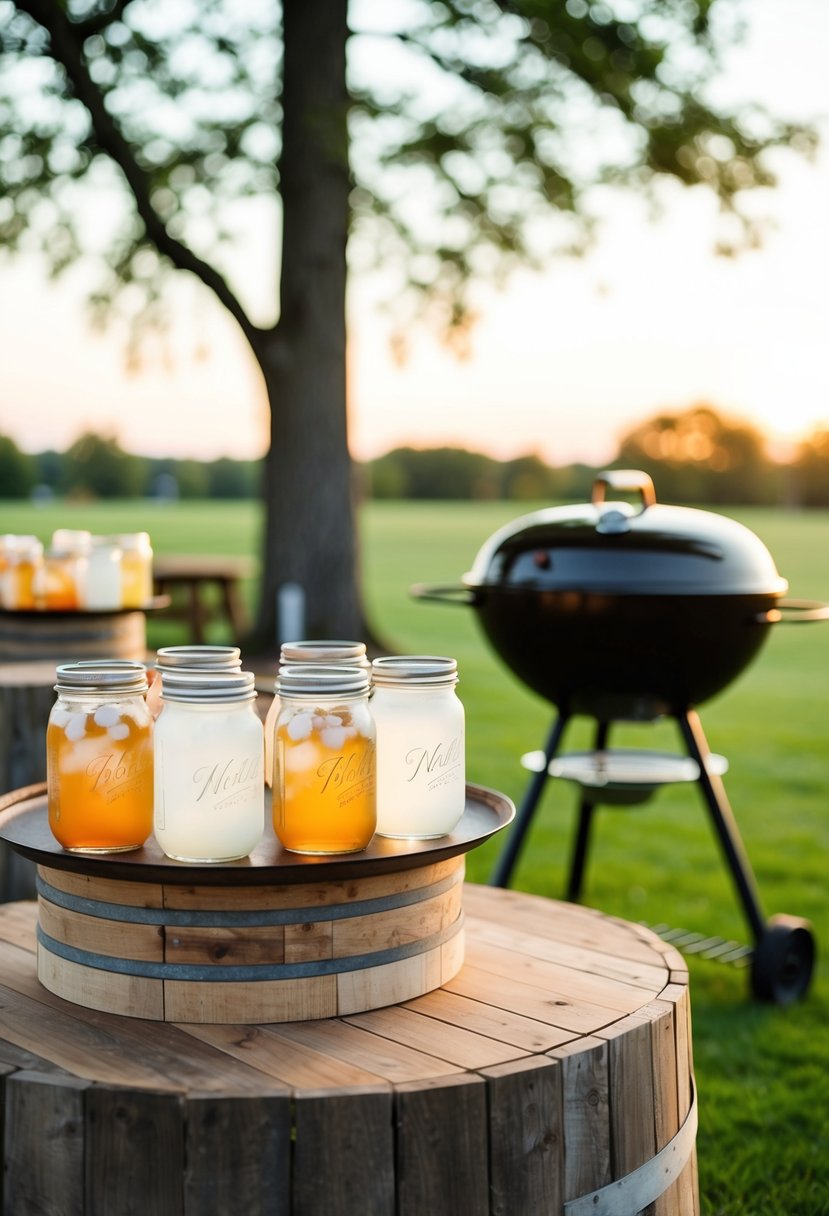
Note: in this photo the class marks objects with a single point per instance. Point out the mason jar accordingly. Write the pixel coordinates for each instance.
(99, 755)
(136, 569)
(330, 652)
(324, 798)
(209, 780)
(22, 561)
(421, 769)
(59, 581)
(189, 658)
(103, 575)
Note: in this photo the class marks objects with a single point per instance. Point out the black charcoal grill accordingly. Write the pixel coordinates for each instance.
(632, 611)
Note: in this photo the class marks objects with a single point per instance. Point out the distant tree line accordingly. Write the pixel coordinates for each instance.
(96, 466)
(697, 455)
(694, 456)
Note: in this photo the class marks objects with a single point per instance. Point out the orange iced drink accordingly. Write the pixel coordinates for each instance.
(100, 776)
(324, 798)
(56, 584)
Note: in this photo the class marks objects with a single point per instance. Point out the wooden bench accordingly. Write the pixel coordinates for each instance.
(203, 589)
(552, 1074)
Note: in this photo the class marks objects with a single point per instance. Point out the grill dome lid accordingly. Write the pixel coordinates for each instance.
(617, 547)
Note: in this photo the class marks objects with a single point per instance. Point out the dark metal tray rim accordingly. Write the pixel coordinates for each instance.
(24, 827)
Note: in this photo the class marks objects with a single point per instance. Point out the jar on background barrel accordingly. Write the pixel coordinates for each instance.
(189, 658)
(75, 543)
(209, 779)
(103, 575)
(59, 581)
(421, 766)
(136, 569)
(324, 798)
(22, 560)
(99, 752)
(331, 652)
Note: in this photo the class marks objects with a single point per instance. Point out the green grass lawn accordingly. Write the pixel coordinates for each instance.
(762, 1071)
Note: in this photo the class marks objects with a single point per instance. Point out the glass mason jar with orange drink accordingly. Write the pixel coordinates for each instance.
(136, 569)
(332, 653)
(99, 754)
(324, 791)
(22, 558)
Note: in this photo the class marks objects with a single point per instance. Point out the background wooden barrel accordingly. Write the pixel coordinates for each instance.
(67, 636)
(177, 952)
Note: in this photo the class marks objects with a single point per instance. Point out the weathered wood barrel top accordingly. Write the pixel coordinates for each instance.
(64, 636)
(552, 1074)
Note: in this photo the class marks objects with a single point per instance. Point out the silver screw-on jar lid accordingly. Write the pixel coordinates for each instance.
(414, 670)
(102, 675)
(324, 650)
(303, 680)
(218, 658)
(207, 686)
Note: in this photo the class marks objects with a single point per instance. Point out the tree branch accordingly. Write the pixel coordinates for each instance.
(66, 50)
(94, 25)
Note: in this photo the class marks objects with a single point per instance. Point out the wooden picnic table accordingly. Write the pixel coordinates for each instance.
(551, 1074)
(203, 589)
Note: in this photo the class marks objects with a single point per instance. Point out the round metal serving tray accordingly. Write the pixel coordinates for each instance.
(39, 614)
(24, 826)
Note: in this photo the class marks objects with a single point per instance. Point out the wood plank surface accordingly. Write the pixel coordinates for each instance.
(489, 1020)
(309, 895)
(314, 996)
(103, 890)
(586, 1097)
(344, 1154)
(612, 994)
(526, 1137)
(44, 1109)
(530, 1000)
(341, 1041)
(134, 1152)
(648, 976)
(389, 983)
(299, 1066)
(442, 1147)
(459, 1045)
(562, 922)
(631, 1102)
(118, 939)
(238, 1155)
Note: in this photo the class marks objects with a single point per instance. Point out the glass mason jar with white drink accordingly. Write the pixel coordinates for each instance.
(209, 768)
(421, 763)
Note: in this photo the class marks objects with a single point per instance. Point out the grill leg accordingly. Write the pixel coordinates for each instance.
(579, 856)
(578, 859)
(724, 822)
(509, 854)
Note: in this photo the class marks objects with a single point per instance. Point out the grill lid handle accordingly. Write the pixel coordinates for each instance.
(632, 481)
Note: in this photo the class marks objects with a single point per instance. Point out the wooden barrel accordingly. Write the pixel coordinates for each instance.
(552, 1076)
(177, 952)
(67, 636)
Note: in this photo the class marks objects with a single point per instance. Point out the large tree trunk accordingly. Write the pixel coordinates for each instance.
(309, 535)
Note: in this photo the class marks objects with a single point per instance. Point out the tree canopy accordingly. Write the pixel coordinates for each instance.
(444, 140)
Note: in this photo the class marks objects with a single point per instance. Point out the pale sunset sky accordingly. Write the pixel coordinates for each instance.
(562, 362)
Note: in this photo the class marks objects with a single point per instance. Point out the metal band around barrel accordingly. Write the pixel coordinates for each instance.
(251, 971)
(233, 919)
(645, 1184)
